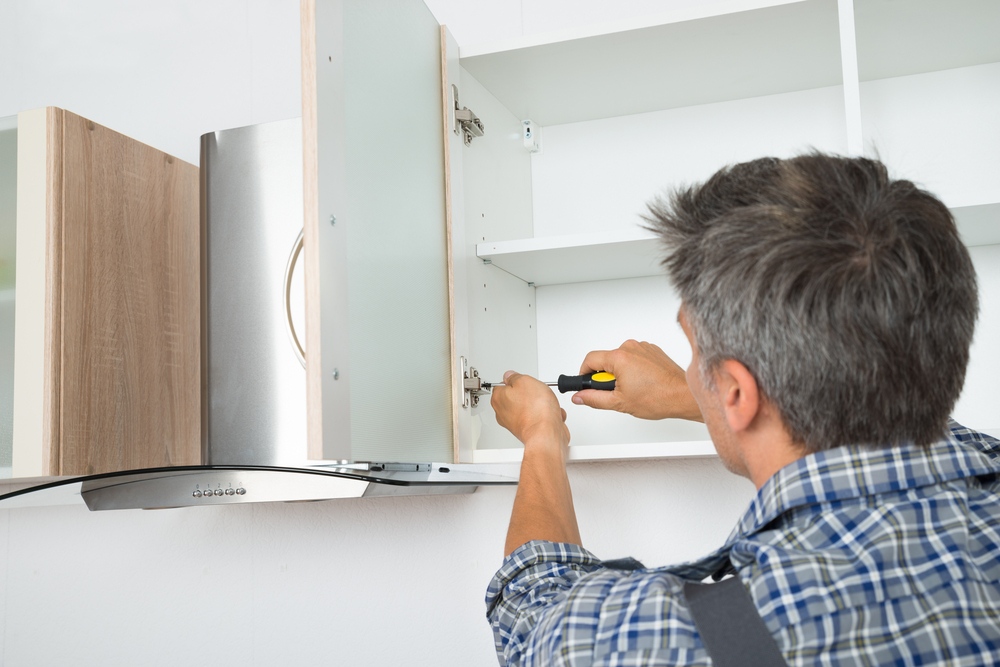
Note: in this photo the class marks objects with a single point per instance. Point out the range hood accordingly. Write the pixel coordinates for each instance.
(254, 389)
(196, 486)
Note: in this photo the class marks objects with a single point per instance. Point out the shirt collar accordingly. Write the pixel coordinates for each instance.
(855, 471)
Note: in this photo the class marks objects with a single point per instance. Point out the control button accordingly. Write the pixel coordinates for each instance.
(196, 494)
(240, 491)
(230, 491)
(218, 492)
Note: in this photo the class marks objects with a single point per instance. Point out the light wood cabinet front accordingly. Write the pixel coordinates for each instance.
(107, 343)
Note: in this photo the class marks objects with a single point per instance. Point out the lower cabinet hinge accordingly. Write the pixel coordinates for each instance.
(472, 385)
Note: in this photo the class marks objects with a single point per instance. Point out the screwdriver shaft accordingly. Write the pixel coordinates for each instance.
(597, 380)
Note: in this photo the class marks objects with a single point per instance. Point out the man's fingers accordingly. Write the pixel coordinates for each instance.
(598, 360)
(596, 398)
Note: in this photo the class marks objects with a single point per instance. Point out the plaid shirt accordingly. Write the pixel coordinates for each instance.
(853, 556)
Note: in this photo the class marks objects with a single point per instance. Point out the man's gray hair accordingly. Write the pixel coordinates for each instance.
(849, 296)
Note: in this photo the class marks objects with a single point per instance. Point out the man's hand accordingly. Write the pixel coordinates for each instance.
(543, 505)
(648, 383)
(528, 409)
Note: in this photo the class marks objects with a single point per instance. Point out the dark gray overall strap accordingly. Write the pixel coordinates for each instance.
(728, 622)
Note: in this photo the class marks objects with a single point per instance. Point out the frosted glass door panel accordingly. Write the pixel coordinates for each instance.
(384, 323)
(8, 226)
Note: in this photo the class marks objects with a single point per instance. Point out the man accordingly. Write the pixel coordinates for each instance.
(830, 311)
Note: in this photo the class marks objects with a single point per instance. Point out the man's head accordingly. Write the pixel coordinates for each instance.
(848, 296)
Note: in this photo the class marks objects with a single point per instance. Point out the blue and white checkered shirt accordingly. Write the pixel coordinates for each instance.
(853, 556)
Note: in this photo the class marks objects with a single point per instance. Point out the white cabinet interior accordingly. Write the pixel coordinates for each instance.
(930, 101)
(624, 115)
(549, 257)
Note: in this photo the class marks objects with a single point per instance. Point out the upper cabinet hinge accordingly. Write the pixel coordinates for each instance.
(467, 124)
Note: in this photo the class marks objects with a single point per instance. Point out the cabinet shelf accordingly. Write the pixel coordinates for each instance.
(766, 51)
(978, 225)
(578, 258)
(619, 452)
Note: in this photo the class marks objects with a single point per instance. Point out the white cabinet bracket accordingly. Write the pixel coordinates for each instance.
(531, 135)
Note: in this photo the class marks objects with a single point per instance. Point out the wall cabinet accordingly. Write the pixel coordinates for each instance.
(548, 259)
(105, 304)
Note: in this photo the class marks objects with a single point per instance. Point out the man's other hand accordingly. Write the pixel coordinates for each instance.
(528, 409)
(648, 383)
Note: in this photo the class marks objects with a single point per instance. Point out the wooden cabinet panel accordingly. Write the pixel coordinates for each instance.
(121, 367)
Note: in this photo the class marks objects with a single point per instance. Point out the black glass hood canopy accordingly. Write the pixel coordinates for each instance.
(199, 486)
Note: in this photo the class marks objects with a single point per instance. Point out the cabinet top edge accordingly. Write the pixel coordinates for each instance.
(660, 19)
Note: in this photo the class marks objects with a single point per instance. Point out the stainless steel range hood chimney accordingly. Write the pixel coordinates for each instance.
(254, 361)
(254, 380)
(253, 376)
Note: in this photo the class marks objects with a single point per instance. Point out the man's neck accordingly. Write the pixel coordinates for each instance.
(767, 448)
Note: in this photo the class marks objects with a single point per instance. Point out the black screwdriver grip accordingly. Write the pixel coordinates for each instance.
(580, 382)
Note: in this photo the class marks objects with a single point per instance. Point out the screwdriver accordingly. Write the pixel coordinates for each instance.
(597, 380)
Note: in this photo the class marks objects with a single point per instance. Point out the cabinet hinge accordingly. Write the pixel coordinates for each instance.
(472, 385)
(467, 124)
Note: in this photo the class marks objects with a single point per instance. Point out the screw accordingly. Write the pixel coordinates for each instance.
(333, 219)
(336, 374)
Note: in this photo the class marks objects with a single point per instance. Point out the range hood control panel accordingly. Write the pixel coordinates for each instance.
(229, 491)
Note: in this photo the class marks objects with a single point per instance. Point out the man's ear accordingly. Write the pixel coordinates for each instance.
(738, 394)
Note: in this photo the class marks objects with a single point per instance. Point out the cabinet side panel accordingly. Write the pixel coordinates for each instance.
(310, 248)
(8, 269)
(54, 265)
(499, 307)
(37, 330)
(453, 207)
(130, 356)
(183, 241)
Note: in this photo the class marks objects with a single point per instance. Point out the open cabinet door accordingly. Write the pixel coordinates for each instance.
(378, 328)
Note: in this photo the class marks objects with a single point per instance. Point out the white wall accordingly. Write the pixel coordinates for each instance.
(369, 582)
(162, 72)
(390, 581)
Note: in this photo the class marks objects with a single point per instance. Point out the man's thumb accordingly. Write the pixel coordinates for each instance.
(601, 400)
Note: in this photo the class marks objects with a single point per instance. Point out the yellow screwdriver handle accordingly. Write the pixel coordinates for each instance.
(598, 380)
